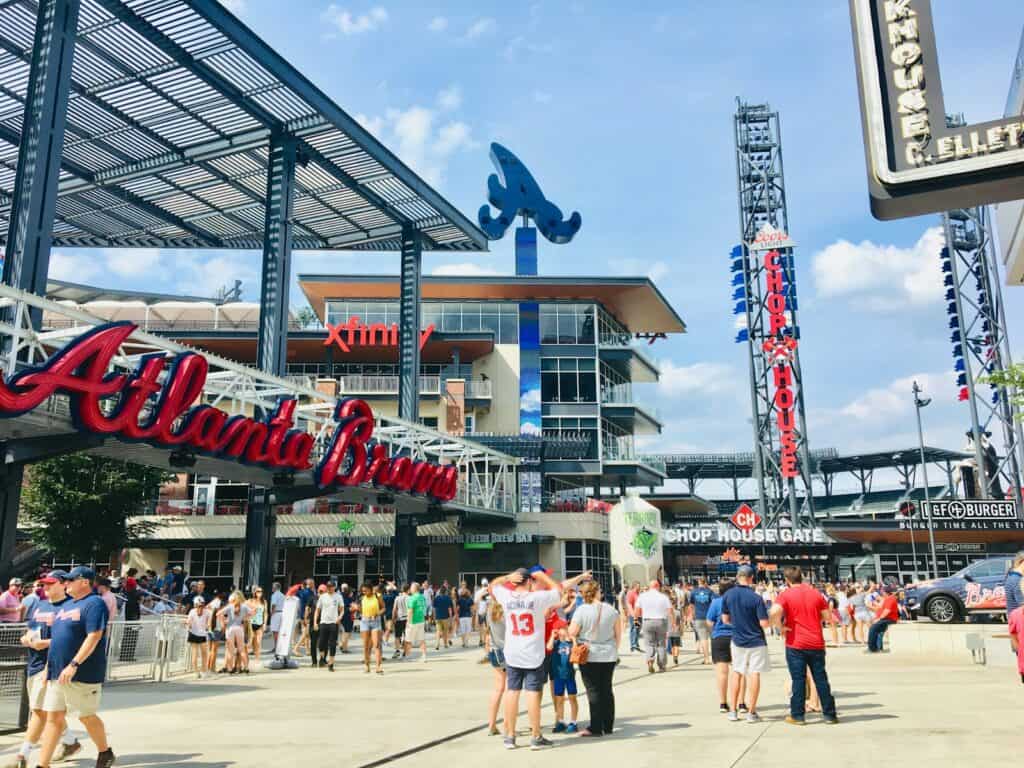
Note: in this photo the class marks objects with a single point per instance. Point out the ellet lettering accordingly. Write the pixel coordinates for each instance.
(162, 413)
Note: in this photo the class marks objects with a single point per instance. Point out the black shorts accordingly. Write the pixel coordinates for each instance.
(346, 623)
(196, 639)
(327, 640)
(531, 679)
(675, 641)
(400, 627)
(721, 650)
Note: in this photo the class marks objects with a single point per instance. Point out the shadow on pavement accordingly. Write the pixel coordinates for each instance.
(864, 718)
(160, 761)
(638, 727)
(839, 705)
(128, 694)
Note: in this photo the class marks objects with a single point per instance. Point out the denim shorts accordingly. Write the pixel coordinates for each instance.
(497, 658)
(368, 625)
(530, 679)
(564, 687)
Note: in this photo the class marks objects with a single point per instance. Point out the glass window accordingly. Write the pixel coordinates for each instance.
(568, 391)
(548, 328)
(281, 565)
(509, 327)
(176, 557)
(587, 388)
(549, 387)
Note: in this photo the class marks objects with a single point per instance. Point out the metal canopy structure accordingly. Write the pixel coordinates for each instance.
(171, 114)
(168, 123)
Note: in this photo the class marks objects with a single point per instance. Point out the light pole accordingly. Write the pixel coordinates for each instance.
(919, 403)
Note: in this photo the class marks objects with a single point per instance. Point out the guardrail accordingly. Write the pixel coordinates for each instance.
(479, 389)
(386, 385)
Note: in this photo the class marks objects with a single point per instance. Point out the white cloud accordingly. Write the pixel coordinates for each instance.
(237, 7)
(348, 24)
(422, 140)
(74, 269)
(527, 428)
(520, 44)
(696, 379)
(438, 24)
(894, 401)
(450, 98)
(542, 97)
(885, 276)
(132, 262)
(480, 27)
(203, 276)
(529, 402)
(463, 268)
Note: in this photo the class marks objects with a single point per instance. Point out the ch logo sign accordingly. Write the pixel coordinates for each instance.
(745, 518)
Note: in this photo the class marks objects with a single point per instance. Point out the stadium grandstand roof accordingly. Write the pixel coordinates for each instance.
(61, 290)
(726, 466)
(170, 119)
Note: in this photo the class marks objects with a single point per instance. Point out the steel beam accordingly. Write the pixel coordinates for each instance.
(405, 549)
(27, 255)
(11, 477)
(409, 326)
(260, 535)
(272, 351)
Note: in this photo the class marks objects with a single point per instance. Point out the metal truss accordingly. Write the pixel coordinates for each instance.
(487, 478)
(762, 200)
(172, 110)
(981, 346)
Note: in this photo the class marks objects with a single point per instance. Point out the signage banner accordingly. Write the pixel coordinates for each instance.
(369, 542)
(289, 616)
(82, 370)
(968, 515)
(726, 534)
(354, 333)
(343, 550)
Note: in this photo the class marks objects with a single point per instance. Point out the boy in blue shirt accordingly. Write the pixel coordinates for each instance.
(563, 677)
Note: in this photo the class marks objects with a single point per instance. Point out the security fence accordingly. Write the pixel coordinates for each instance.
(151, 650)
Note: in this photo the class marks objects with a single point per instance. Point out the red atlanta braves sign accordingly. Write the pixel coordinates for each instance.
(155, 405)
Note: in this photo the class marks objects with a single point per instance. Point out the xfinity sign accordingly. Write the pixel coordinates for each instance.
(916, 164)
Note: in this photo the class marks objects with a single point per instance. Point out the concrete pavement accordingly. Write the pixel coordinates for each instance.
(894, 709)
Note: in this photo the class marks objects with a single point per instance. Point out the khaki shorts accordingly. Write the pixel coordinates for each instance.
(415, 633)
(749, 661)
(81, 699)
(36, 686)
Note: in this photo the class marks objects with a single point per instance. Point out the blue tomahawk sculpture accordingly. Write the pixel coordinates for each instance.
(521, 195)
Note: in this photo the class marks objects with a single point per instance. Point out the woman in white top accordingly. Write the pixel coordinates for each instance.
(198, 622)
(234, 616)
(597, 624)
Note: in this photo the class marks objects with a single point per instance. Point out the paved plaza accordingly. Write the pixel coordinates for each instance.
(894, 709)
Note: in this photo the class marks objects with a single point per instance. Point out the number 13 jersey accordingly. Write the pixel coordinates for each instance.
(524, 624)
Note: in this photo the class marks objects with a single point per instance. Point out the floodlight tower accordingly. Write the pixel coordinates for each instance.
(782, 466)
(981, 346)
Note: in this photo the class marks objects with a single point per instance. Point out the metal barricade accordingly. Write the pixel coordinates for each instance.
(132, 650)
(173, 646)
(13, 696)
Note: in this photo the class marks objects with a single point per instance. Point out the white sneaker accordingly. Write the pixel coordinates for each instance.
(753, 717)
(733, 716)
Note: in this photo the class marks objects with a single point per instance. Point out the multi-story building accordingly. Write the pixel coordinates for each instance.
(476, 380)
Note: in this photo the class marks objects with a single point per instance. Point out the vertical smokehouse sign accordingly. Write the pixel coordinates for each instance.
(155, 404)
(916, 163)
(779, 345)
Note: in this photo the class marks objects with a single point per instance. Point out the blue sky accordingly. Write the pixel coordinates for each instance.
(627, 118)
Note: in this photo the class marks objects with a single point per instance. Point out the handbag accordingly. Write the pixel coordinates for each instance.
(581, 651)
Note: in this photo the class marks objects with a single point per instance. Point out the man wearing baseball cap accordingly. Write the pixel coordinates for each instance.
(37, 640)
(529, 594)
(76, 667)
(745, 610)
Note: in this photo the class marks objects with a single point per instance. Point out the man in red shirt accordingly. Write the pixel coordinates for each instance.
(886, 614)
(634, 620)
(799, 611)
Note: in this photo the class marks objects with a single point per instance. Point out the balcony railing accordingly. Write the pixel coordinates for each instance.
(622, 394)
(478, 389)
(157, 325)
(386, 385)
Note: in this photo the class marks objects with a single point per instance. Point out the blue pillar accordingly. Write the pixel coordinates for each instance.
(272, 350)
(272, 346)
(409, 327)
(27, 256)
(526, 251)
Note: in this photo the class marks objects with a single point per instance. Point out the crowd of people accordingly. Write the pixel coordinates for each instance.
(535, 633)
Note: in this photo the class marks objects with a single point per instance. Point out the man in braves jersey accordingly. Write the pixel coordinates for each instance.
(76, 667)
(526, 596)
(37, 640)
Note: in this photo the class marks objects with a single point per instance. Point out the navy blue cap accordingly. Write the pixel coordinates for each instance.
(82, 572)
(54, 576)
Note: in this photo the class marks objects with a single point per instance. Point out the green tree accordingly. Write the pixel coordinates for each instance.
(78, 505)
(1013, 380)
(307, 317)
